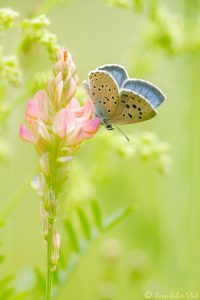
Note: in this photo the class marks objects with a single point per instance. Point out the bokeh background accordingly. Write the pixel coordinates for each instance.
(156, 248)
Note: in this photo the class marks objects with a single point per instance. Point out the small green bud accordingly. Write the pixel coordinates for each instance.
(10, 70)
(36, 23)
(7, 18)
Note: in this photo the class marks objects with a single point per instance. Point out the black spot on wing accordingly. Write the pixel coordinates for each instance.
(130, 116)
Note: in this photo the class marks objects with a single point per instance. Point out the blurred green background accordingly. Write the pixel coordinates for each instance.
(157, 247)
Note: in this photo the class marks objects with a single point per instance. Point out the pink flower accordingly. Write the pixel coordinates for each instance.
(57, 114)
(62, 88)
(25, 134)
(75, 123)
(37, 118)
(37, 108)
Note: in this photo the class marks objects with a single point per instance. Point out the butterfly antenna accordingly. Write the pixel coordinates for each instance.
(122, 133)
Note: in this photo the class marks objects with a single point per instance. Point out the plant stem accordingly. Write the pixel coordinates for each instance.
(49, 263)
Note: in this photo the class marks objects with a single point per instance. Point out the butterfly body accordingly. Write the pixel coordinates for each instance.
(119, 100)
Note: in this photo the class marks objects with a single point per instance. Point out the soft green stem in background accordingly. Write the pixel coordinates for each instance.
(49, 262)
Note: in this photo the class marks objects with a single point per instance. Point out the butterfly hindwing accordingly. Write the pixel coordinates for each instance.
(152, 93)
(132, 108)
(104, 93)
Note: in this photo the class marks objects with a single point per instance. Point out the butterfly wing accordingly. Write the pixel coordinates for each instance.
(86, 86)
(104, 92)
(117, 72)
(132, 108)
(146, 89)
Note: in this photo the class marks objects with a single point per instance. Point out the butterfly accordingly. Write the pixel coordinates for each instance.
(120, 100)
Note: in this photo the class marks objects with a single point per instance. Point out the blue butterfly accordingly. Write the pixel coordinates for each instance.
(121, 100)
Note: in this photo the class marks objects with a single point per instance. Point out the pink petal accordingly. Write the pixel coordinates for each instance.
(51, 84)
(91, 125)
(78, 136)
(37, 108)
(73, 104)
(71, 70)
(59, 91)
(26, 135)
(42, 102)
(76, 79)
(75, 137)
(88, 109)
(71, 88)
(64, 122)
(32, 110)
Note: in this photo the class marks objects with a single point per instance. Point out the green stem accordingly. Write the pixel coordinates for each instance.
(49, 263)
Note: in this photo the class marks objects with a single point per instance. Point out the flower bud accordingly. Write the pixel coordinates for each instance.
(55, 252)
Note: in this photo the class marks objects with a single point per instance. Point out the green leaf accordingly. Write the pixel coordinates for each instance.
(97, 213)
(116, 217)
(41, 281)
(62, 259)
(85, 225)
(71, 234)
(106, 224)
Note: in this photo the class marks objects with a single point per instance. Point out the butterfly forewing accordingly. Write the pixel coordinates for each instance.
(132, 108)
(117, 72)
(104, 93)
